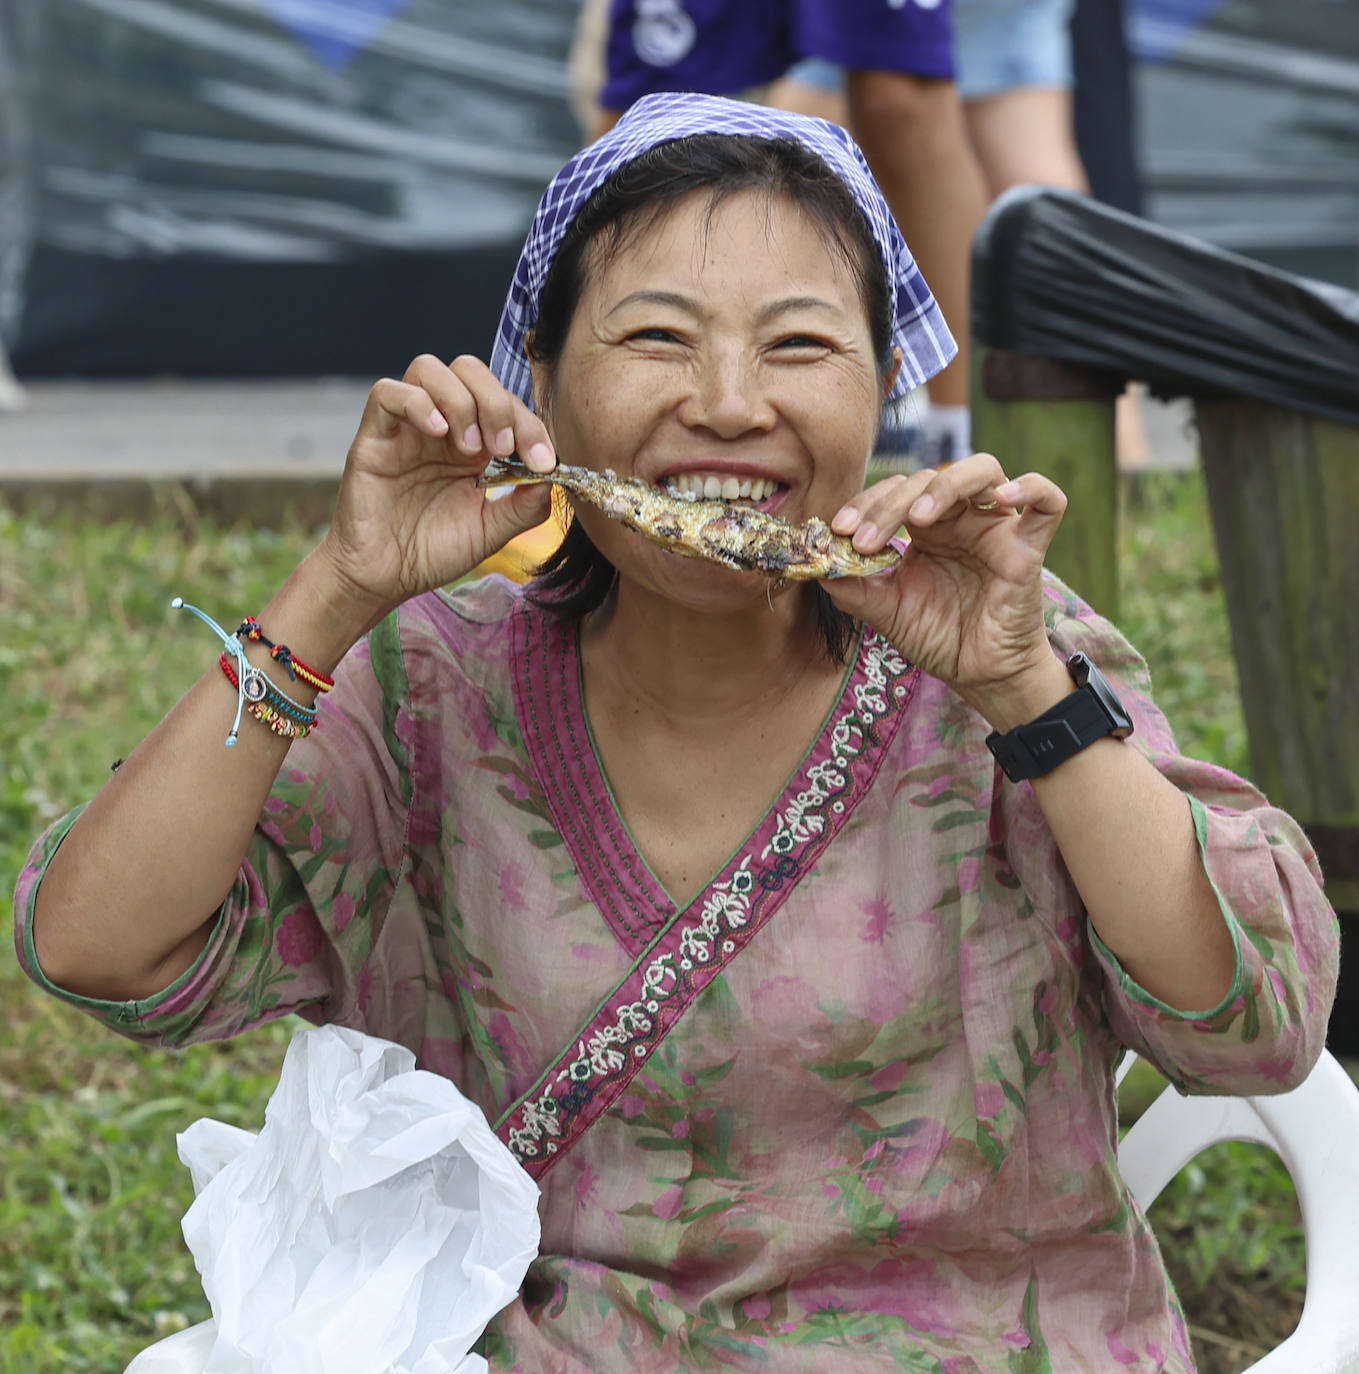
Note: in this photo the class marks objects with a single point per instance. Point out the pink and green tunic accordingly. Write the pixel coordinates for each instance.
(852, 1107)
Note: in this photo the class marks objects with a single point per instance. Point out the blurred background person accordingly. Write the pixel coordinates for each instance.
(1044, 84)
(899, 98)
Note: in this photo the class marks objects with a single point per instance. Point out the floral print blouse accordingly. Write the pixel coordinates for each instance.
(852, 1108)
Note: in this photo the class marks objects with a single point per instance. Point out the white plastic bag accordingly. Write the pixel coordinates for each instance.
(374, 1226)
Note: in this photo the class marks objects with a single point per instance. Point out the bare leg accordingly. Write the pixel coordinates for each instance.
(914, 137)
(799, 97)
(1026, 136)
(585, 66)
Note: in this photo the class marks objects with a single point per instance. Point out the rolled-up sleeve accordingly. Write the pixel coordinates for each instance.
(298, 927)
(1268, 1031)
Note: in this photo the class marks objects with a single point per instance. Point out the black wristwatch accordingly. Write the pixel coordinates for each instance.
(1090, 713)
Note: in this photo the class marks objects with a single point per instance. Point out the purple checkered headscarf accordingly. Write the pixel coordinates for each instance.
(918, 328)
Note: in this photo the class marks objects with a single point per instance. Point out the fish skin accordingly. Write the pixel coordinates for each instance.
(739, 537)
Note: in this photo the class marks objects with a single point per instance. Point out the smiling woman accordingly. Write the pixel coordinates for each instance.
(733, 286)
(787, 931)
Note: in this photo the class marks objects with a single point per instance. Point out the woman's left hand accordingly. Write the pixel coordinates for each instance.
(965, 603)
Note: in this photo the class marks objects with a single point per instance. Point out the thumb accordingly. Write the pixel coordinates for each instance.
(870, 599)
(520, 509)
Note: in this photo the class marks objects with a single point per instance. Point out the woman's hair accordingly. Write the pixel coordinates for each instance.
(577, 577)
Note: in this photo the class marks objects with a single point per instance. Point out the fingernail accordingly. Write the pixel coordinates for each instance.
(865, 534)
(504, 441)
(471, 438)
(1007, 490)
(540, 456)
(438, 421)
(842, 522)
(922, 507)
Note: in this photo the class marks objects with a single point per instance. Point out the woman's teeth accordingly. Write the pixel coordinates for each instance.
(695, 486)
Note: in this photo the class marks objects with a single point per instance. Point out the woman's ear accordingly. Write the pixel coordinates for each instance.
(894, 373)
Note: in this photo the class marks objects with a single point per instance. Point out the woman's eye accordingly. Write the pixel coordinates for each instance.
(654, 335)
(801, 341)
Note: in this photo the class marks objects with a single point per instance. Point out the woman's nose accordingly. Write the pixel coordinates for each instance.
(728, 396)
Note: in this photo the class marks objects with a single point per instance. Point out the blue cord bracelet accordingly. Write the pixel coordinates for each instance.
(236, 649)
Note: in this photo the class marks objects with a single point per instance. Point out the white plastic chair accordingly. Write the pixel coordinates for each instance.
(1315, 1131)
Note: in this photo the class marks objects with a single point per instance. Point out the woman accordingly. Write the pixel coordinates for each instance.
(710, 891)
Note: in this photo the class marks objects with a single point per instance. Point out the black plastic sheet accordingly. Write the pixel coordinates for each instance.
(1057, 275)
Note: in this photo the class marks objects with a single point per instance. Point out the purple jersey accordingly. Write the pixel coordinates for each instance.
(724, 47)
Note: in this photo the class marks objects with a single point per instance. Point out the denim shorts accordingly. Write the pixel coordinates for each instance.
(1002, 45)
(726, 47)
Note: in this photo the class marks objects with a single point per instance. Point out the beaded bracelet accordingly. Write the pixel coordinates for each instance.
(279, 724)
(282, 654)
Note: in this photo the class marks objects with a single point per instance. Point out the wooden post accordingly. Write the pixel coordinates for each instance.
(1039, 415)
(1284, 491)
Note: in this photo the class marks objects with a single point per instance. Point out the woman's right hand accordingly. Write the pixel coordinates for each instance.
(410, 515)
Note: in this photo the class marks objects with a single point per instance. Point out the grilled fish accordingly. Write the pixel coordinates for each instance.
(740, 537)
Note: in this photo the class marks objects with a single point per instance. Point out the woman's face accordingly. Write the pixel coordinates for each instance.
(727, 351)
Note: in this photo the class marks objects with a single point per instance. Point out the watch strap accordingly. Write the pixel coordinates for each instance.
(1031, 750)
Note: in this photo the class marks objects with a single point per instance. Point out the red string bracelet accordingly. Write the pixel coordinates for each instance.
(284, 656)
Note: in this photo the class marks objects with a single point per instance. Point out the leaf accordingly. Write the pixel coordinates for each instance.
(544, 839)
(493, 764)
(991, 1147)
(1250, 1022)
(1034, 1359)
(872, 1100)
(1022, 1049)
(958, 818)
(1015, 1096)
(725, 1129)
(715, 1073)
(856, 1068)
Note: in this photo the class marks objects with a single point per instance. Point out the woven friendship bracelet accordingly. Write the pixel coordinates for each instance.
(281, 654)
(256, 688)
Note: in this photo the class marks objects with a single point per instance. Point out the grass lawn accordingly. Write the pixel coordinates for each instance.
(92, 1266)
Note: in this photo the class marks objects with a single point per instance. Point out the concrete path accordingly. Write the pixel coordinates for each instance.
(241, 449)
(233, 448)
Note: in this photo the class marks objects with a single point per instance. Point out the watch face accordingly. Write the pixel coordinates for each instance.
(1085, 674)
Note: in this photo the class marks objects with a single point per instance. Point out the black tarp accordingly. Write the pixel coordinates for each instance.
(1057, 275)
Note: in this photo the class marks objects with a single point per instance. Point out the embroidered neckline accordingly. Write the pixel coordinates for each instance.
(550, 699)
(677, 953)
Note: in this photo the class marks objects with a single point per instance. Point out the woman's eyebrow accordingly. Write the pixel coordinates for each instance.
(686, 303)
(788, 304)
(785, 305)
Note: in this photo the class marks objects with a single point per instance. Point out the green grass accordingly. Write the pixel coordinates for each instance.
(92, 1265)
